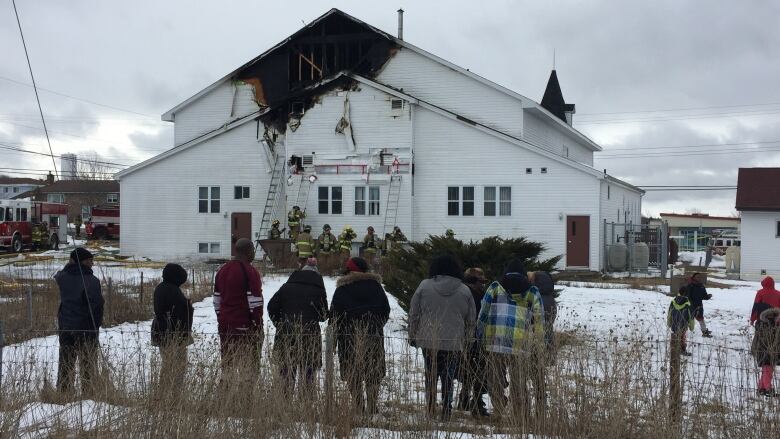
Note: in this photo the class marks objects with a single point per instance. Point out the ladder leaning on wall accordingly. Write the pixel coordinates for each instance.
(271, 208)
(393, 197)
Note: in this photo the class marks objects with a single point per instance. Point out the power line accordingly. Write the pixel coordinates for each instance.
(682, 117)
(683, 154)
(29, 66)
(682, 109)
(690, 189)
(13, 148)
(640, 148)
(80, 99)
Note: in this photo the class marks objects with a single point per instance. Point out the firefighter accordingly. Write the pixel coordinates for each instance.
(398, 235)
(38, 235)
(294, 219)
(275, 233)
(449, 234)
(327, 242)
(78, 222)
(305, 245)
(370, 243)
(345, 241)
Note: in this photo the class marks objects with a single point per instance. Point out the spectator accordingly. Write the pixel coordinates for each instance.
(238, 302)
(358, 313)
(697, 294)
(79, 319)
(766, 348)
(511, 327)
(172, 327)
(544, 282)
(472, 370)
(441, 320)
(767, 297)
(297, 310)
(679, 318)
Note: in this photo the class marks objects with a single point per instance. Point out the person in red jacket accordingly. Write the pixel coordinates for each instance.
(238, 302)
(767, 297)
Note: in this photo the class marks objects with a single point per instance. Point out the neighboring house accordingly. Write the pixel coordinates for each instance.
(79, 195)
(695, 229)
(11, 187)
(758, 201)
(361, 128)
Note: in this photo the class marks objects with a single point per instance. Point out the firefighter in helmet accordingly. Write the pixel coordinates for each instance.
(77, 223)
(294, 218)
(449, 234)
(398, 235)
(305, 244)
(39, 235)
(327, 242)
(345, 241)
(275, 233)
(370, 243)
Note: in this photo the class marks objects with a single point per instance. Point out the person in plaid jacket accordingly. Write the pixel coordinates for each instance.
(511, 328)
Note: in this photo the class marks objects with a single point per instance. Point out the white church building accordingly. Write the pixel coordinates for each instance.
(359, 127)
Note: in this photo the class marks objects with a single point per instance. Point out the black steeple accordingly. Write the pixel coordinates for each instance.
(553, 101)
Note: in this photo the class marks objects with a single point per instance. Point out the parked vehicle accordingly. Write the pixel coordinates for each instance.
(18, 218)
(722, 243)
(103, 223)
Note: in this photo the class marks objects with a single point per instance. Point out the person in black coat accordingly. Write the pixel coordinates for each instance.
(697, 294)
(79, 319)
(358, 313)
(172, 326)
(297, 310)
(544, 282)
(472, 370)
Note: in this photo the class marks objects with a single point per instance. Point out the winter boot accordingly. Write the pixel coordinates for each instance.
(707, 334)
(480, 410)
(685, 353)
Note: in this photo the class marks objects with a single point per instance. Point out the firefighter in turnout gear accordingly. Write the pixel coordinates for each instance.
(275, 233)
(370, 243)
(327, 242)
(305, 245)
(40, 235)
(294, 218)
(77, 223)
(345, 241)
(449, 234)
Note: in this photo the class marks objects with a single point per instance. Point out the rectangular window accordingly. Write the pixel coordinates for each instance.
(490, 201)
(360, 200)
(777, 229)
(112, 198)
(608, 191)
(544, 170)
(373, 200)
(396, 104)
(529, 170)
(453, 201)
(5, 189)
(55, 198)
(86, 212)
(505, 201)
(9, 214)
(208, 199)
(16, 189)
(240, 192)
(468, 201)
(203, 247)
(334, 202)
(214, 247)
(54, 221)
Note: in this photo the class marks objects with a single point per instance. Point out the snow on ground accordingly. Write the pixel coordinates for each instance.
(698, 258)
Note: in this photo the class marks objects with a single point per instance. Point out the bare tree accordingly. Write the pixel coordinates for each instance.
(91, 167)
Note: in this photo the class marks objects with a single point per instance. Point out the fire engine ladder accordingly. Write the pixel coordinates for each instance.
(391, 210)
(271, 205)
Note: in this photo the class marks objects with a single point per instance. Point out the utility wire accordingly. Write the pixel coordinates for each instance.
(680, 109)
(684, 154)
(14, 148)
(40, 110)
(710, 145)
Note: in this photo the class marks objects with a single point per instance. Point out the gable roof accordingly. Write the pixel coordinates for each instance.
(80, 186)
(553, 98)
(4, 179)
(758, 189)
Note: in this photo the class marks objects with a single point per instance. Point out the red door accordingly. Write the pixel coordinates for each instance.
(240, 227)
(577, 241)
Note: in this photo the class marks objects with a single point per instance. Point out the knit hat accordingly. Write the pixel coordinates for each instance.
(357, 264)
(515, 266)
(81, 254)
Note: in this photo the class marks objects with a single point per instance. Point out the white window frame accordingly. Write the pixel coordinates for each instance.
(330, 200)
(211, 248)
(460, 201)
(210, 199)
(55, 198)
(243, 193)
(112, 197)
(374, 200)
(360, 200)
(777, 228)
(504, 204)
(453, 202)
(490, 201)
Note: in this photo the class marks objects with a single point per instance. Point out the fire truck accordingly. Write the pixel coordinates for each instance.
(103, 222)
(19, 217)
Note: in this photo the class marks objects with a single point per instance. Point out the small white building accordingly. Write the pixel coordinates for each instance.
(361, 128)
(11, 187)
(758, 201)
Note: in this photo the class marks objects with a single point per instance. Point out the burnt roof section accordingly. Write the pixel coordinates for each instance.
(758, 189)
(332, 43)
(553, 101)
(4, 179)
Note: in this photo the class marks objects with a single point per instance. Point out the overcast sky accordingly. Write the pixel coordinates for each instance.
(710, 67)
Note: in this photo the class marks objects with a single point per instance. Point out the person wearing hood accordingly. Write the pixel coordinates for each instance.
(358, 313)
(472, 371)
(296, 311)
(679, 319)
(697, 294)
(767, 297)
(441, 322)
(172, 326)
(511, 328)
(79, 319)
(766, 341)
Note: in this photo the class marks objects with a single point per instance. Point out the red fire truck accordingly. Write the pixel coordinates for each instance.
(18, 217)
(103, 222)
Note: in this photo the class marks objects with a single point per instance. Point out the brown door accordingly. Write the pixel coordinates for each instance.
(240, 227)
(577, 241)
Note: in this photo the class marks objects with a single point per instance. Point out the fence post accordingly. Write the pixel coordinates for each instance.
(2, 344)
(141, 291)
(29, 306)
(675, 389)
(330, 396)
(192, 279)
(110, 301)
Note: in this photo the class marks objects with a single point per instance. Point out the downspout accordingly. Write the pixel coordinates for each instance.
(411, 172)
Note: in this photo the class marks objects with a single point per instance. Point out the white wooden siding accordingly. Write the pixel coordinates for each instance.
(760, 247)
(159, 202)
(449, 153)
(617, 201)
(442, 86)
(550, 137)
(214, 109)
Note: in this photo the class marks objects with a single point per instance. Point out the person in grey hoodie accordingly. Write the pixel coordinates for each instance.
(441, 321)
(79, 319)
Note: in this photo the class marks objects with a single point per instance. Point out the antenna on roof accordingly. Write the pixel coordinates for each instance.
(553, 58)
